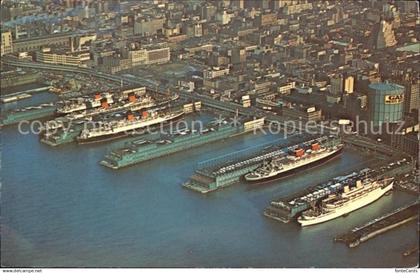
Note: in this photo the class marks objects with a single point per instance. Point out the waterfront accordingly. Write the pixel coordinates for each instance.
(65, 209)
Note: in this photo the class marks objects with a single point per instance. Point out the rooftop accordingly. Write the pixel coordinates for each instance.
(385, 86)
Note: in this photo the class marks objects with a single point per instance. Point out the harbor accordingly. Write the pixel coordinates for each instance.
(229, 167)
(233, 154)
(97, 202)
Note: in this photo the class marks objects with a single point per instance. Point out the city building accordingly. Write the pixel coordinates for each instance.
(385, 103)
(36, 43)
(411, 96)
(158, 55)
(337, 85)
(46, 55)
(148, 26)
(302, 112)
(215, 72)
(286, 88)
(6, 43)
(349, 84)
(384, 35)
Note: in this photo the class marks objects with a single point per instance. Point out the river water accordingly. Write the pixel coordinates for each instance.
(60, 208)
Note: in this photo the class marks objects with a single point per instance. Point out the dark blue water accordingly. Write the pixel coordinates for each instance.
(59, 207)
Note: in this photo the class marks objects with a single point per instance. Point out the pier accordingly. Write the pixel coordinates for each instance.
(226, 170)
(380, 225)
(147, 149)
(28, 113)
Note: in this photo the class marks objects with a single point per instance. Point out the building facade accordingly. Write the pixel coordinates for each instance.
(6, 43)
(65, 58)
(148, 26)
(385, 103)
(34, 44)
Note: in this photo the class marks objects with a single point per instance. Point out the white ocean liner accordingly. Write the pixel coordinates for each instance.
(84, 103)
(144, 102)
(337, 205)
(129, 124)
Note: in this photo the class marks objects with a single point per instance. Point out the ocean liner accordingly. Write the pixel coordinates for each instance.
(130, 124)
(338, 204)
(299, 158)
(83, 103)
(133, 103)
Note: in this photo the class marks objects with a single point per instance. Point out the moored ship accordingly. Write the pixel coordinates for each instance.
(133, 103)
(83, 103)
(296, 159)
(130, 124)
(351, 199)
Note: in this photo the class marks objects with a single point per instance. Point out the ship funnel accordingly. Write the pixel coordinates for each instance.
(299, 152)
(104, 103)
(315, 146)
(131, 97)
(130, 116)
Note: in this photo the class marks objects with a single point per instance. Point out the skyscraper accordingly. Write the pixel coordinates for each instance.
(384, 35)
(6, 42)
(349, 84)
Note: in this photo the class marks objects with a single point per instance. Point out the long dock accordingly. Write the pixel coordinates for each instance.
(28, 113)
(380, 225)
(147, 149)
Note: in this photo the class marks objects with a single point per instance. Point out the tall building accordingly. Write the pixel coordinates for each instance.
(265, 19)
(6, 43)
(337, 85)
(385, 103)
(224, 17)
(384, 35)
(238, 55)
(408, 6)
(148, 26)
(239, 4)
(412, 100)
(36, 43)
(349, 84)
(146, 56)
(60, 57)
(158, 55)
(208, 12)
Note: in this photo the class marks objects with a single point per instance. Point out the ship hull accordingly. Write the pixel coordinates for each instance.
(348, 208)
(107, 137)
(295, 170)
